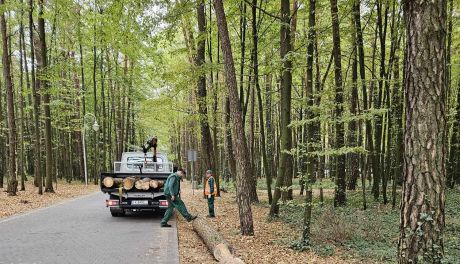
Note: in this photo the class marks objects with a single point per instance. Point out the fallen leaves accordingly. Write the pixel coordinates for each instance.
(29, 199)
(265, 246)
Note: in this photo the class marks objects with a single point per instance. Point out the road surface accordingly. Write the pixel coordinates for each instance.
(83, 231)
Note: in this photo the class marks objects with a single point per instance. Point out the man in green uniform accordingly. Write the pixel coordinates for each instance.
(172, 193)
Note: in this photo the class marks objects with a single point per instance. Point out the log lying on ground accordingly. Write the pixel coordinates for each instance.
(111, 182)
(217, 244)
(128, 183)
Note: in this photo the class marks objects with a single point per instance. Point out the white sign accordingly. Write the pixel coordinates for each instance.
(191, 155)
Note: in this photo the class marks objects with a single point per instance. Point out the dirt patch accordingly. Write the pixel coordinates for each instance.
(269, 245)
(29, 199)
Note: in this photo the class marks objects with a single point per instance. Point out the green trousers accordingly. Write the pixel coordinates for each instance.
(211, 206)
(179, 205)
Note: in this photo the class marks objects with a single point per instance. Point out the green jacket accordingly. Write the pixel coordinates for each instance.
(172, 185)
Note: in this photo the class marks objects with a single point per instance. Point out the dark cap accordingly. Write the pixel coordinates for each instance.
(209, 171)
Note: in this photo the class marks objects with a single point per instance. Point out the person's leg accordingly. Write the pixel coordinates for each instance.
(180, 206)
(211, 206)
(168, 213)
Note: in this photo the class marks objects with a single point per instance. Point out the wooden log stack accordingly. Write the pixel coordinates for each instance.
(129, 183)
(216, 243)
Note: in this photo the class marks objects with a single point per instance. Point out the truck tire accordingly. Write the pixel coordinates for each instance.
(117, 213)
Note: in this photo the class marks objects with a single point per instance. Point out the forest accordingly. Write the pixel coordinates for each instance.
(351, 105)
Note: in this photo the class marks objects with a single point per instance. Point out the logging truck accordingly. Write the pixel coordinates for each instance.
(136, 183)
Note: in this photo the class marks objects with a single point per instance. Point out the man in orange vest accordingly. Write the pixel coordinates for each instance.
(210, 192)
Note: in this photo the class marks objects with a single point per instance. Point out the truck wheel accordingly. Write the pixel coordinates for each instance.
(117, 213)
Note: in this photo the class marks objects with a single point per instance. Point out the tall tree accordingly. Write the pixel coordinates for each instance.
(340, 197)
(240, 148)
(206, 140)
(285, 168)
(6, 63)
(42, 66)
(36, 107)
(311, 162)
(425, 137)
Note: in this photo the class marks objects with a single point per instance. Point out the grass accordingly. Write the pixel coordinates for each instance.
(370, 235)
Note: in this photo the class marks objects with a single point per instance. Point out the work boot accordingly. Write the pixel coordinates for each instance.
(165, 225)
(193, 217)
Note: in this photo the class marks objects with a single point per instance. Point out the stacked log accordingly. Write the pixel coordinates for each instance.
(129, 183)
(110, 182)
(155, 184)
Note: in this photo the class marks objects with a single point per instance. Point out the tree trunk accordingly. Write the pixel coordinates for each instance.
(46, 98)
(216, 243)
(243, 22)
(6, 62)
(285, 163)
(423, 196)
(240, 148)
(206, 140)
(340, 198)
(36, 96)
(353, 158)
(311, 166)
(21, 159)
(268, 113)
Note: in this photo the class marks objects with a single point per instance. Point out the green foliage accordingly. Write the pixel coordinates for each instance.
(371, 235)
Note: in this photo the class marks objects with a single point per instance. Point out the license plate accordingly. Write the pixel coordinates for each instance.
(141, 202)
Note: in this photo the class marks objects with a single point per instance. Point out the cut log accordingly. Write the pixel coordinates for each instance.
(145, 185)
(108, 182)
(154, 184)
(216, 243)
(128, 183)
(139, 184)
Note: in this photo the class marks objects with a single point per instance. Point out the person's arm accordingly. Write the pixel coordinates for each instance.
(171, 187)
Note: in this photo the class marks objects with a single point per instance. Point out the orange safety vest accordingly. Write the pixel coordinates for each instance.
(207, 189)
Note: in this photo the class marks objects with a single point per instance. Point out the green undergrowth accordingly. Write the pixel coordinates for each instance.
(370, 236)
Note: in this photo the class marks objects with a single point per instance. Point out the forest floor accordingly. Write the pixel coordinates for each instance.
(339, 235)
(268, 245)
(29, 199)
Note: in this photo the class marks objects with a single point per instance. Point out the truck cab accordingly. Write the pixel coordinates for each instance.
(137, 166)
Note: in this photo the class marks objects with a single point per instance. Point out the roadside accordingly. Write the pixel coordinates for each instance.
(29, 199)
(269, 245)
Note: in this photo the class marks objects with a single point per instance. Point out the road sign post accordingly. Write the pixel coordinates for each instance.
(191, 155)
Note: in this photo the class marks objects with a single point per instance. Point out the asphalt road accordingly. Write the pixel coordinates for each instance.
(83, 231)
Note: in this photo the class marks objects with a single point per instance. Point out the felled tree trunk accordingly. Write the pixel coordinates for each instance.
(220, 248)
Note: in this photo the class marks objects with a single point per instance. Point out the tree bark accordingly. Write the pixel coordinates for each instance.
(340, 198)
(216, 243)
(46, 98)
(206, 140)
(239, 141)
(6, 63)
(286, 162)
(311, 167)
(36, 96)
(21, 159)
(425, 137)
